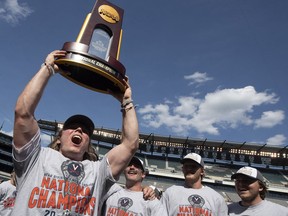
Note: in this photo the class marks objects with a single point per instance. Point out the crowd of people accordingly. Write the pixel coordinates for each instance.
(67, 178)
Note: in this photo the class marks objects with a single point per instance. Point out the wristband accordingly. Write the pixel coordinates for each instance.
(124, 109)
(126, 102)
(152, 186)
(49, 67)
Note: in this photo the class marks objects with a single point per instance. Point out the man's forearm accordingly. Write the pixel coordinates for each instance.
(130, 131)
(25, 126)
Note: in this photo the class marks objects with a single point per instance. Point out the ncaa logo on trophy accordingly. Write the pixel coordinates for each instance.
(92, 61)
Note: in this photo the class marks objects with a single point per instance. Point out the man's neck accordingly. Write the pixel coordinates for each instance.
(194, 185)
(134, 187)
(253, 202)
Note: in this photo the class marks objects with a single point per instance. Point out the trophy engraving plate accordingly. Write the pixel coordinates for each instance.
(92, 60)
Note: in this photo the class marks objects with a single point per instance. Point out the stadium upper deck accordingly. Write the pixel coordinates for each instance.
(257, 155)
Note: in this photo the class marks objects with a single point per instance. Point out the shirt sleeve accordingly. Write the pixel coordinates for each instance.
(23, 157)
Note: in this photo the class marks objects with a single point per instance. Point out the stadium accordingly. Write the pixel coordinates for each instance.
(162, 154)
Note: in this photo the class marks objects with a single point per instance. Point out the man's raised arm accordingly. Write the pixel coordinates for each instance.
(120, 156)
(25, 125)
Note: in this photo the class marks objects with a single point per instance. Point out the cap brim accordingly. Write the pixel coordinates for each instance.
(86, 121)
(235, 175)
(189, 159)
(137, 161)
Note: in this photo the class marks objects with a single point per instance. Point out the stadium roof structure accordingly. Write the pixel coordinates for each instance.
(146, 138)
(216, 144)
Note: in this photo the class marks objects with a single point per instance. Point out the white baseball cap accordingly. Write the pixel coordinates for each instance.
(250, 172)
(195, 157)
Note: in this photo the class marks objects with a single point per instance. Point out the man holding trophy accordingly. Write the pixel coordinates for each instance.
(55, 183)
(67, 181)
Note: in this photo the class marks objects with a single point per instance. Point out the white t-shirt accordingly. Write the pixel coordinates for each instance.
(180, 200)
(264, 208)
(50, 184)
(7, 198)
(132, 203)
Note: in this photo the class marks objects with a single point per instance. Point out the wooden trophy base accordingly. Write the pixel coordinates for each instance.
(90, 71)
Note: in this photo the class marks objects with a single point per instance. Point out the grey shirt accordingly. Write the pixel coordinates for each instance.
(179, 200)
(132, 203)
(51, 184)
(7, 198)
(264, 208)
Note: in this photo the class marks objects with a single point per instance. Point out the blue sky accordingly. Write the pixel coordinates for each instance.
(214, 69)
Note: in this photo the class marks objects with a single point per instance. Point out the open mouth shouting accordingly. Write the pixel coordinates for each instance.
(76, 139)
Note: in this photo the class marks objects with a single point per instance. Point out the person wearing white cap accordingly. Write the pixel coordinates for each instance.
(193, 198)
(70, 180)
(251, 187)
(129, 200)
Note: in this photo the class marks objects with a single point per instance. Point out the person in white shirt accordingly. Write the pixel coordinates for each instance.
(129, 200)
(66, 181)
(8, 194)
(193, 198)
(251, 187)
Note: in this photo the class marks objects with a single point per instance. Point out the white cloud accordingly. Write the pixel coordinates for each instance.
(11, 11)
(187, 106)
(276, 140)
(226, 108)
(159, 115)
(197, 78)
(269, 119)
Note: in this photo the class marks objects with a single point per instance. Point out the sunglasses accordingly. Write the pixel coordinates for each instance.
(74, 126)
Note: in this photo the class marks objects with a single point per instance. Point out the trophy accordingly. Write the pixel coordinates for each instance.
(92, 61)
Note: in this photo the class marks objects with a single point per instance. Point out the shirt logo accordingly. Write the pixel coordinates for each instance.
(73, 171)
(125, 203)
(196, 200)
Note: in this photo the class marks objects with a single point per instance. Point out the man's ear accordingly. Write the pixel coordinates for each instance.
(202, 172)
(260, 187)
(143, 174)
